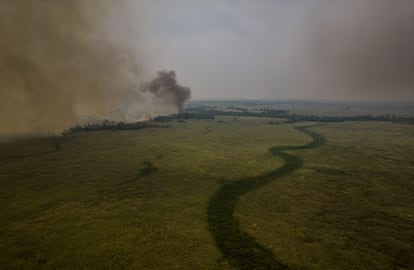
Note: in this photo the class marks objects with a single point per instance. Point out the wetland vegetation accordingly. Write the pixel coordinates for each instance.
(207, 193)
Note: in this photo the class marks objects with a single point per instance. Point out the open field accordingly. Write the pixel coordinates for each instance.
(139, 199)
(349, 207)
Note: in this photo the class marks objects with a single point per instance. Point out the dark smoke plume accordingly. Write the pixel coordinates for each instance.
(359, 49)
(165, 87)
(62, 61)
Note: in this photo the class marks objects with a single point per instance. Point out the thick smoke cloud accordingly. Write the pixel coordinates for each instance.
(165, 88)
(64, 61)
(359, 49)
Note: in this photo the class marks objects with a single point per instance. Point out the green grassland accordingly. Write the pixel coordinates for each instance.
(139, 199)
(349, 207)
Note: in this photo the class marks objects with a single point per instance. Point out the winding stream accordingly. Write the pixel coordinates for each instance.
(240, 249)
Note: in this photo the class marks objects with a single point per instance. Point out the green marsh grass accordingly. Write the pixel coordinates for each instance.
(349, 207)
(94, 204)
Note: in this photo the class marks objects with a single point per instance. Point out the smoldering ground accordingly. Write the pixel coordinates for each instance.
(63, 60)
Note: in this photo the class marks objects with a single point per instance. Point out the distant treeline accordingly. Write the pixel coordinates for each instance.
(113, 125)
(211, 112)
(293, 118)
(185, 115)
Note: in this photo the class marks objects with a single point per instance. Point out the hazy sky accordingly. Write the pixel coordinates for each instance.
(353, 49)
(62, 62)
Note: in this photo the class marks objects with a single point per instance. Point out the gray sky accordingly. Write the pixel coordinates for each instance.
(346, 50)
(66, 62)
